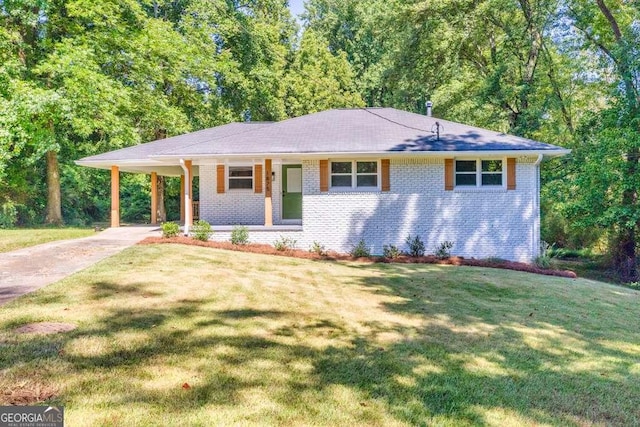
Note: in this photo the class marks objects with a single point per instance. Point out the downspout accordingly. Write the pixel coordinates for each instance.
(187, 196)
(536, 203)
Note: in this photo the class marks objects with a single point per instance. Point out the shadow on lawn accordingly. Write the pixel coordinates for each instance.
(426, 373)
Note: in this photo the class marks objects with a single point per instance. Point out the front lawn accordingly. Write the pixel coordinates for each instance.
(183, 335)
(19, 238)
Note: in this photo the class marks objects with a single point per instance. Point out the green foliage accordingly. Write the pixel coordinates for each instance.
(556, 227)
(8, 215)
(284, 243)
(544, 259)
(170, 229)
(318, 249)
(563, 253)
(240, 235)
(391, 251)
(201, 230)
(443, 250)
(360, 250)
(416, 246)
(319, 80)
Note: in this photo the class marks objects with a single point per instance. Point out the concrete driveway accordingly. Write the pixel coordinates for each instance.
(26, 270)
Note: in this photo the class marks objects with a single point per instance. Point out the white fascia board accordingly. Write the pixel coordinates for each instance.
(128, 163)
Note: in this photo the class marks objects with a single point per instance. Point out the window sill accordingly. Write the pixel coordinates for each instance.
(340, 190)
(480, 189)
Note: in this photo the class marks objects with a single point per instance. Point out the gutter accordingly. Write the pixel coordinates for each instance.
(187, 198)
(536, 207)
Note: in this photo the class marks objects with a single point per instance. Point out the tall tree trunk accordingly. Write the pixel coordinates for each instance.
(625, 255)
(54, 199)
(162, 211)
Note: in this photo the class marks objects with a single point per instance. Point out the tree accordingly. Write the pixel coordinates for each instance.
(606, 171)
(317, 80)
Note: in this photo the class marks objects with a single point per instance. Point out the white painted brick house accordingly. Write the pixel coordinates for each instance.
(342, 176)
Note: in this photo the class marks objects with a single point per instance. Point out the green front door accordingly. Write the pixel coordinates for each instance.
(291, 191)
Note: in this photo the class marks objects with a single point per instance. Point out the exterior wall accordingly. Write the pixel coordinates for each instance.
(235, 207)
(231, 207)
(481, 223)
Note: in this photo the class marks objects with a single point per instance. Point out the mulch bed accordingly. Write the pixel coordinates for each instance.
(334, 256)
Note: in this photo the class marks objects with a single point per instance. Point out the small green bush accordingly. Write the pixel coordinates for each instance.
(318, 248)
(284, 243)
(202, 230)
(240, 235)
(546, 252)
(443, 250)
(360, 250)
(416, 246)
(170, 229)
(543, 262)
(8, 215)
(391, 251)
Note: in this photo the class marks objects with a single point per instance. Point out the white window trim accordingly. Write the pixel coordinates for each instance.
(354, 176)
(478, 173)
(227, 177)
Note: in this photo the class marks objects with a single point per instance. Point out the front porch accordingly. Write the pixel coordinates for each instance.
(231, 193)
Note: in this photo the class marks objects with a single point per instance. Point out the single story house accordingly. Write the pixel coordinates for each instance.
(341, 176)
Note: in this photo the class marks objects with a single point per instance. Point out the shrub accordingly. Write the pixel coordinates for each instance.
(416, 246)
(544, 259)
(170, 229)
(240, 235)
(543, 262)
(360, 250)
(318, 249)
(202, 230)
(284, 243)
(391, 251)
(443, 250)
(8, 215)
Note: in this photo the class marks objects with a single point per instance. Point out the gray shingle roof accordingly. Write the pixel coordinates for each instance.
(143, 151)
(365, 130)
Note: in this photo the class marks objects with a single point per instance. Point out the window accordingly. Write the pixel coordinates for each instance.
(478, 173)
(240, 177)
(354, 174)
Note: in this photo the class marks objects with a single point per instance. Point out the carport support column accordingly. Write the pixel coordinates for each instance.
(188, 206)
(154, 198)
(268, 187)
(115, 196)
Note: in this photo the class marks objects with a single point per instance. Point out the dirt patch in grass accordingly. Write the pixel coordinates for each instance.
(45, 328)
(334, 256)
(27, 393)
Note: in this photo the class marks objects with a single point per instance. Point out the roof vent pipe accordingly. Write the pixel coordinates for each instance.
(429, 104)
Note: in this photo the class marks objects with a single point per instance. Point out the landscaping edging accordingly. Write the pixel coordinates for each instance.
(334, 256)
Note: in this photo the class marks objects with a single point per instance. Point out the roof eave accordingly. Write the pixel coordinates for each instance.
(323, 155)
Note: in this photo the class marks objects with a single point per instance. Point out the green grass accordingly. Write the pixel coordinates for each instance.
(275, 341)
(19, 238)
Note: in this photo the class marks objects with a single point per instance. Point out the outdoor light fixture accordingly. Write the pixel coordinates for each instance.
(273, 176)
